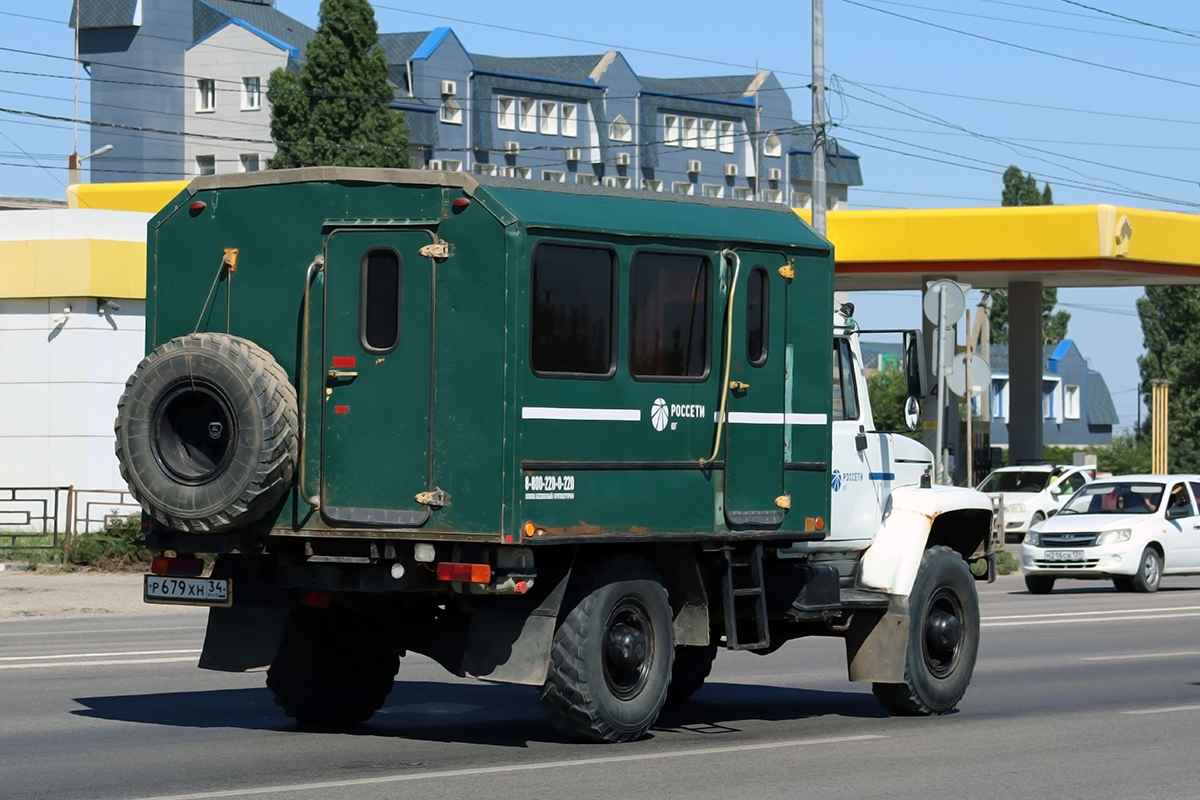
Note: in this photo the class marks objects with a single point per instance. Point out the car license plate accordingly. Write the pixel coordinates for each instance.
(1064, 555)
(188, 591)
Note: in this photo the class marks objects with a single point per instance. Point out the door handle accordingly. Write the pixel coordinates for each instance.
(339, 375)
(738, 386)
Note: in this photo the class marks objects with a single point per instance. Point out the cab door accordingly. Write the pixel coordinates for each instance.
(376, 424)
(754, 423)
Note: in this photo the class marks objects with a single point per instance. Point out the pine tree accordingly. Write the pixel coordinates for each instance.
(335, 111)
(1022, 190)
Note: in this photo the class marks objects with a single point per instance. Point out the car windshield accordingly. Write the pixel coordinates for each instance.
(1115, 498)
(1015, 482)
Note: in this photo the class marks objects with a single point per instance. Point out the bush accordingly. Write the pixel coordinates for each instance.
(118, 546)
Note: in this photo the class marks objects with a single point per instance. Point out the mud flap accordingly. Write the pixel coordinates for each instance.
(245, 636)
(876, 646)
(512, 645)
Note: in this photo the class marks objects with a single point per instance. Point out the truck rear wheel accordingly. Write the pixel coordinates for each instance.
(206, 432)
(943, 638)
(610, 665)
(331, 668)
(692, 667)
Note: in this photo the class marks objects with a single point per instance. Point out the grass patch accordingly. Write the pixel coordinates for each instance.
(1006, 563)
(119, 547)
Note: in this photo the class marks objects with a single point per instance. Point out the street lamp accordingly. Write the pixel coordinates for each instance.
(76, 160)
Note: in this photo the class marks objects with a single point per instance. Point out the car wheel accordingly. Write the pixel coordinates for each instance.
(1038, 517)
(1123, 583)
(1039, 584)
(1149, 572)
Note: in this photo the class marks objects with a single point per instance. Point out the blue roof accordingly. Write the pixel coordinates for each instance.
(1100, 407)
(292, 51)
(256, 16)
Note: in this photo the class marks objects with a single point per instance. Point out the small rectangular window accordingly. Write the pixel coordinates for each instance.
(682, 187)
(528, 119)
(772, 195)
(206, 165)
(1071, 402)
(742, 193)
(708, 134)
(572, 310)
(845, 393)
(569, 120)
(206, 94)
(379, 306)
(554, 175)
(251, 93)
(713, 190)
(549, 118)
(652, 185)
(725, 136)
(586, 180)
(249, 162)
(758, 302)
(451, 112)
(669, 313)
(485, 169)
(506, 115)
(690, 132)
(671, 130)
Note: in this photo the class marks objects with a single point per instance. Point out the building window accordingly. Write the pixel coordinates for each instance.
(528, 119)
(757, 303)
(506, 115)
(671, 130)
(485, 169)
(206, 165)
(620, 131)
(998, 398)
(206, 94)
(669, 315)
(549, 118)
(708, 134)
(553, 175)
(451, 165)
(1071, 402)
(772, 195)
(683, 187)
(651, 185)
(690, 136)
(451, 113)
(249, 162)
(772, 147)
(845, 392)
(573, 308)
(832, 203)
(585, 180)
(740, 193)
(713, 190)
(522, 172)
(379, 315)
(251, 93)
(570, 119)
(617, 181)
(725, 135)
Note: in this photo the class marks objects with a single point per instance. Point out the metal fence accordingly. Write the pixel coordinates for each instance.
(48, 517)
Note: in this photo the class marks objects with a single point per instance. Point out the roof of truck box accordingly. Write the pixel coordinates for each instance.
(561, 206)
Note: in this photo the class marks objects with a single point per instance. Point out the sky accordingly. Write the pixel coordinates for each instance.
(938, 97)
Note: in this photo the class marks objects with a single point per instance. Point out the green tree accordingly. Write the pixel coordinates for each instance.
(1170, 318)
(1022, 190)
(334, 112)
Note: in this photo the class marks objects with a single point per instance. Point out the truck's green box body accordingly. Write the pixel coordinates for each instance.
(557, 372)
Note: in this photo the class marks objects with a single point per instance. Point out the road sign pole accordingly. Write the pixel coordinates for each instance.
(939, 456)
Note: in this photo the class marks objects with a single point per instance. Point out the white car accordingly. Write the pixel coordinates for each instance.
(1031, 494)
(1131, 528)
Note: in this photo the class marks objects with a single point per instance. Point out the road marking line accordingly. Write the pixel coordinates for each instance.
(1141, 655)
(1094, 613)
(100, 655)
(1083, 621)
(1170, 710)
(458, 773)
(46, 665)
(102, 630)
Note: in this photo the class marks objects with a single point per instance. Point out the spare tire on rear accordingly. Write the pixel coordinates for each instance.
(206, 432)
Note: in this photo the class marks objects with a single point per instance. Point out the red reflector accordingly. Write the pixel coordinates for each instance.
(197, 206)
(343, 362)
(177, 566)
(466, 573)
(460, 203)
(315, 599)
(341, 409)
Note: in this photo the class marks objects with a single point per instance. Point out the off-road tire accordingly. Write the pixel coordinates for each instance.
(943, 638)
(1039, 584)
(1149, 573)
(585, 695)
(332, 667)
(217, 386)
(692, 667)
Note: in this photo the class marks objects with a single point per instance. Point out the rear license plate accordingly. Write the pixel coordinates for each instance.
(1064, 555)
(188, 591)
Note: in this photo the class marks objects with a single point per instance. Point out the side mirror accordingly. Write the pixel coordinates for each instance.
(1051, 512)
(860, 441)
(912, 413)
(914, 364)
(1178, 512)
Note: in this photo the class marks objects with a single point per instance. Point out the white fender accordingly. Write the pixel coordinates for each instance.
(890, 563)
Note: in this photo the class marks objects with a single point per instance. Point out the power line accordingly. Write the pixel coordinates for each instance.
(1131, 19)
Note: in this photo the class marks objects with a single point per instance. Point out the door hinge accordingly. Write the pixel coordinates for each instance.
(788, 270)
(435, 499)
(784, 501)
(439, 249)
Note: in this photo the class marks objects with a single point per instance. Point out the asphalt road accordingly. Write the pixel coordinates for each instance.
(1081, 693)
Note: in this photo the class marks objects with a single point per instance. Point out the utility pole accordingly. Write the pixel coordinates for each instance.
(73, 161)
(818, 116)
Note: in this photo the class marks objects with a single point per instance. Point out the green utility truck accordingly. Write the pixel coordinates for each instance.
(571, 437)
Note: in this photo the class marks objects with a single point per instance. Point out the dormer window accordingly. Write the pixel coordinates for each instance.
(451, 112)
(620, 131)
(772, 148)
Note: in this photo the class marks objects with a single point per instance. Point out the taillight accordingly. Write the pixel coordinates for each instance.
(464, 573)
(178, 566)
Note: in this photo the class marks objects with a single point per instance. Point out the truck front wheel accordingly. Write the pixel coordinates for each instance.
(331, 668)
(943, 638)
(611, 660)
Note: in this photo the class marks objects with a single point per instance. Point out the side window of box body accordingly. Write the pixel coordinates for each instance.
(670, 316)
(573, 311)
(380, 293)
(758, 316)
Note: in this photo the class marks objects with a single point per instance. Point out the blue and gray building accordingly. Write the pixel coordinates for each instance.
(178, 87)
